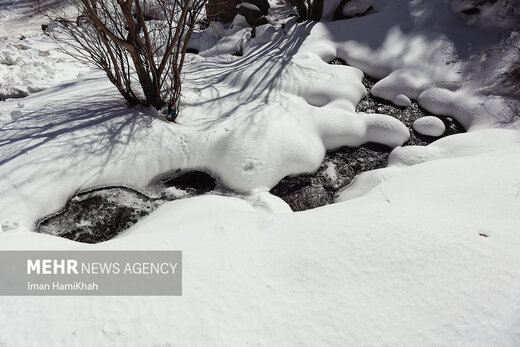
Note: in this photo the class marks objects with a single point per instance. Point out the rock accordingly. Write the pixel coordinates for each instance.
(98, 215)
(472, 11)
(261, 21)
(262, 5)
(192, 50)
(101, 214)
(252, 14)
(429, 126)
(338, 61)
(221, 10)
(197, 181)
(240, 21)
(308, 197)
(341, 166)
(351, 8)
(407, 116)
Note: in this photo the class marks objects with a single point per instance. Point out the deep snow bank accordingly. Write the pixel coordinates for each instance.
(413, 271)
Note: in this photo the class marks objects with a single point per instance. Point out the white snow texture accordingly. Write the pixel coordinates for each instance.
(421, 252)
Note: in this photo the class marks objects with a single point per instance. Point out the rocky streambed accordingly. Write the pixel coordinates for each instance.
(303, 192)
(100, 214)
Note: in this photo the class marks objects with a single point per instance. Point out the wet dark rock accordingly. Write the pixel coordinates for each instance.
(339, 13)
(253, 17)
(341, 166)
(198, 181)
(407, 115)
(338, 61)
(101, 214)
(98, 215)
(308, 197)
(338, 169)
(238, 53)
(471, 11)
(263, 5)
(221, 10)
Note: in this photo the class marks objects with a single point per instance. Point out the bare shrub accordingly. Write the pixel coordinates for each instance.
(139, 44)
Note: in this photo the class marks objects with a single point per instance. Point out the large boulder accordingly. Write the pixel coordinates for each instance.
(221, 10)
(252, 15)
(262, 5)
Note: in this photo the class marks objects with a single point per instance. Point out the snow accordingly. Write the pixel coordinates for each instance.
(217, 132)
(33, 63)
(330, 174)
(402, 100)
(364, 271)
(399, 259)
(500, 13)
(175, 193)
(429, 126)
(419, 50)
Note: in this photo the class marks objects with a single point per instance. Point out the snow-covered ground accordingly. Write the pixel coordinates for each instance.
(423, 252)
(29, 61)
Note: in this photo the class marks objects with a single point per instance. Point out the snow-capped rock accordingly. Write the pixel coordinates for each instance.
(429, 126)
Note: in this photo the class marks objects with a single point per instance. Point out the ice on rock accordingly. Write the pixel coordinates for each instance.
(429, 126)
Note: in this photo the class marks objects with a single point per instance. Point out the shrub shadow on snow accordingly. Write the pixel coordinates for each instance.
(30, 5)
(253, 79)
(91, 126)
(404, 32)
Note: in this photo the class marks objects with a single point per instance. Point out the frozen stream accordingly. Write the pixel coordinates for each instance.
(99, 215)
